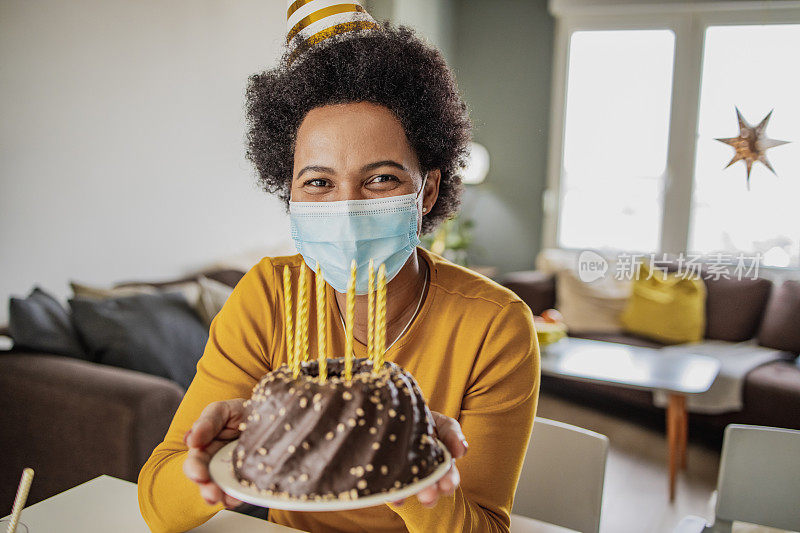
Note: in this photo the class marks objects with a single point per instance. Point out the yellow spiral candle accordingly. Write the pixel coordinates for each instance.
(287, 314)
(322, 356)
(306, 311)
(301, 329)
(351, 307)
(380, 318)
(371, 312)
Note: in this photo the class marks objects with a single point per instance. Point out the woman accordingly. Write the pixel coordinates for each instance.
(374, 118)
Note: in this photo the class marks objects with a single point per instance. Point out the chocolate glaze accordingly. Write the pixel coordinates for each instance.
(335, 440)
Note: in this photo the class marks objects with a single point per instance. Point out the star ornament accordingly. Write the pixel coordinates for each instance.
(752, 144)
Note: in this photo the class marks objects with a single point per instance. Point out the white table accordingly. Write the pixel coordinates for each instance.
(611, 363)
(107, 504)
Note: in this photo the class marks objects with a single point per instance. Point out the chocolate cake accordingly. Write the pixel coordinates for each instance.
(314, 440)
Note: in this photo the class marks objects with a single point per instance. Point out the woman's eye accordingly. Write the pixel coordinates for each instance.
(384, 178)
(317, 182)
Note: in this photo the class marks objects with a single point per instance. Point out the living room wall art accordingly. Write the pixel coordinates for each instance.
(752, 144)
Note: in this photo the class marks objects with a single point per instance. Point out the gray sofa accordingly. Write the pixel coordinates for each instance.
(72, 420)
(736, 310)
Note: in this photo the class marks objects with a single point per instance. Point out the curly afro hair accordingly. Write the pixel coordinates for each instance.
(389, 66)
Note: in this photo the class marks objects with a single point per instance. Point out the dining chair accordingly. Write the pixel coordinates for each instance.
(758, 482)
(562, 478)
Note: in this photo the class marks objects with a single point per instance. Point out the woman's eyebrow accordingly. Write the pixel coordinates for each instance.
(317, 168)
(384, 163)
(369, 166)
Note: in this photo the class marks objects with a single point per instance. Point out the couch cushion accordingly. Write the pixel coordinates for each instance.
(535, 287)
(213, 295)
(734, 307)
(780, 327)
(666, 307)
(591, 306)
(159, 334)
(39, 323)
(83, 290)
(191, 290)
(228, 276)
(586, 305)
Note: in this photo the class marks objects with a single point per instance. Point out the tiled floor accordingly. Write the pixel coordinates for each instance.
(635, 498)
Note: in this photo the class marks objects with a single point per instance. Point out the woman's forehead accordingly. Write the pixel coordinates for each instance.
(351, 135)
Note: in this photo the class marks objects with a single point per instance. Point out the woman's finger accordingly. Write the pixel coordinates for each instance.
(449, 482)
(208, 425)
(195, 466)
(428, 495)
(450, 433)
(219, 420)
(211, 493)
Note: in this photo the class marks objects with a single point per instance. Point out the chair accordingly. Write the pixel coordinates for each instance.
(562, 477)
(758, 483)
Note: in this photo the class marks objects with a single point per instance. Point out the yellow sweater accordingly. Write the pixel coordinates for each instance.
(472, 348)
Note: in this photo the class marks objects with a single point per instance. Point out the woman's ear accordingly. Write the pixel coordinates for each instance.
(431, 192)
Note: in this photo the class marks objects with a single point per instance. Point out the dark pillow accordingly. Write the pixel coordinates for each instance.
(40, 323)
(780, 328)
(734, 307)
(158, 334)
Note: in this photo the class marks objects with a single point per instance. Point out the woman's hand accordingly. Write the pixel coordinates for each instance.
(450, 434)
(216, 426)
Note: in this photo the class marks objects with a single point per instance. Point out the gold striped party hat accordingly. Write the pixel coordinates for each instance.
(309, 22)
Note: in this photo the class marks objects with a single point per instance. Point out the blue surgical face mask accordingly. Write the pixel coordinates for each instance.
(335, 233)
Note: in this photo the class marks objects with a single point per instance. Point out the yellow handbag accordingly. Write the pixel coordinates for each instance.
(668, 308)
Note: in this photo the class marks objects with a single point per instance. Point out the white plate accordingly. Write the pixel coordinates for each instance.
(222, 473)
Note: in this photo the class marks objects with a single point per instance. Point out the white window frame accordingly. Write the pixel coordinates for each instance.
(688, 20)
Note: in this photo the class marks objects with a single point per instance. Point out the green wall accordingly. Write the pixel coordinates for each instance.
(503, 58)
(501, 51)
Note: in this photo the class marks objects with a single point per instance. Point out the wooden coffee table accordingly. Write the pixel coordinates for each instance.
(611, 363)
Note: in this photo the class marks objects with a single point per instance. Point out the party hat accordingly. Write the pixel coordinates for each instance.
(310, 22)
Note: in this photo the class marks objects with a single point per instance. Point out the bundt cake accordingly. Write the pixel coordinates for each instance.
(310, 439)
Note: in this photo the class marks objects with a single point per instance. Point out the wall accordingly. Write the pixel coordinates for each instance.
(501, 51)
(503, 66)
(121, 143)
(434, 20)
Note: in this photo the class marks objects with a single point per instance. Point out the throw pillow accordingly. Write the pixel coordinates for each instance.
(40, 323)
(591, 306)
(780, 328)
(668, 308)
(190, 289)
(213, 296)
(734, 307)
(587, 306)
(159, 334)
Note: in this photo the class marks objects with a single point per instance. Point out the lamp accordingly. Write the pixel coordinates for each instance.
(477, 164)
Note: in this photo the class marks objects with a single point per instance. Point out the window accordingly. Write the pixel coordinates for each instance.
(725, 215)
(615, 146)
(641, 92)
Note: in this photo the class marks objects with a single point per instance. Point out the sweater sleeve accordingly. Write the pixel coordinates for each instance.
(235, 357)
(497, 413)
